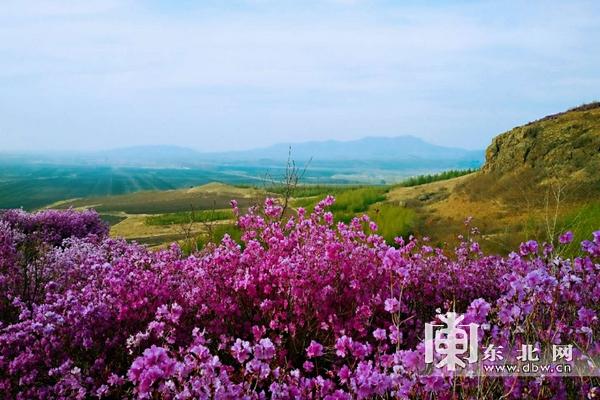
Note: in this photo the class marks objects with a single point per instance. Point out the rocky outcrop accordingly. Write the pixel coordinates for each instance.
(565, 144)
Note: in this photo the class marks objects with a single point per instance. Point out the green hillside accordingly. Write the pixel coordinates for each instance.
(31, 186)
(206, 197)
(539, 179)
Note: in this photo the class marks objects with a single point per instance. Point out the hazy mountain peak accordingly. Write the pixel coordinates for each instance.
(377, 150)
(367, 148)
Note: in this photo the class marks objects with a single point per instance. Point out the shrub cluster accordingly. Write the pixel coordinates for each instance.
(301, 309)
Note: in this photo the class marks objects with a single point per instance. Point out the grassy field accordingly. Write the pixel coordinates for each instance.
(304, 191)
(355, 201)
(205, 197)
(581, 222)
(430, 205)
(504, 221)
(112, 219)
(155, 218)
(348, 202)
(35, 185)
(32, 186)
(393, 221)
(184, 217)
(215, 235)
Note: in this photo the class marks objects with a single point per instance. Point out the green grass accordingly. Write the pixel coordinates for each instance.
(348, 202)
(171, 201)
(33, 186)
(582, 223)
(216, 235)
(315, 190)
(307, 203)
(112, 219)
(189, 216)
(393, 221)
(157, 240)
(358, 200)
(442, 176)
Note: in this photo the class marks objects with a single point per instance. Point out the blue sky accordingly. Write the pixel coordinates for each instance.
(220, 75)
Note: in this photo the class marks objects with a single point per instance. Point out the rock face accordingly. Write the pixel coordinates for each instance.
(565, 144)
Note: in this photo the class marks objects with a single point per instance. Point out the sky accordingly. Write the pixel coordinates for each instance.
(239, 74)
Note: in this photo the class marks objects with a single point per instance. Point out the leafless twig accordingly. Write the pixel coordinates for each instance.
(289, 182)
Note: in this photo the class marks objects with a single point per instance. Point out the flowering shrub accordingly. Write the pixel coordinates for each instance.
(26, 239)
(53, 226)
(301, 308)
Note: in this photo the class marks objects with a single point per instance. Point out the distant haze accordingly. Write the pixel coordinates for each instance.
(34, 179)
(218, 76)
(382, 152)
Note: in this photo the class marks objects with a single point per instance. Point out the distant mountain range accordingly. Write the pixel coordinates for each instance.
(370, 150)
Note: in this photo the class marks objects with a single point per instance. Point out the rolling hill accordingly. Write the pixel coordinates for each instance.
(538, 179)
(212, 195)
(36, 180)
(134, 216)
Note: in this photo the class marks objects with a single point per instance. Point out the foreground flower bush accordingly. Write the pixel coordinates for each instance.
(302, 308)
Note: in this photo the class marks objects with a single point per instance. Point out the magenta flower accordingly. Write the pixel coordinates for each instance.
(264, 350)
(529, 247)
(153, 366)
(241, 350)
(566, 237)
(308, 366)
(232, 320)
(314, 349)
(344, 374)
(411, 359)
(395, 334)
(342, 345)
(380, 334)
(392, 305)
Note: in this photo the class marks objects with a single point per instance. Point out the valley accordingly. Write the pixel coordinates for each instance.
(538, 180)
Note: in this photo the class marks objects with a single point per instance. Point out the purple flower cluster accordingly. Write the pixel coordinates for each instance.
(301, 309)
(53, 226)
(25, 242)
